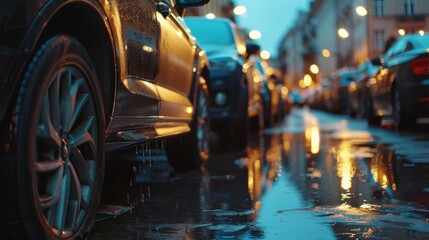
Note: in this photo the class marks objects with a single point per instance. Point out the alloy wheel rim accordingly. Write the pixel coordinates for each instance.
(66, 159)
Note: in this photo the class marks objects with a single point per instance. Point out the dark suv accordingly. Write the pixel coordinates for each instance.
(82, 78)
(235, 80)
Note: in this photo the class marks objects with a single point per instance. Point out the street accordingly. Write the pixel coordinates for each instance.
(314, 175)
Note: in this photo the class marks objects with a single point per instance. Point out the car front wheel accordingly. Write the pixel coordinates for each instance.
(401, 120)
(59, 133)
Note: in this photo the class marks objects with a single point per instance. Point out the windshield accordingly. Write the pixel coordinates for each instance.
(208, 32)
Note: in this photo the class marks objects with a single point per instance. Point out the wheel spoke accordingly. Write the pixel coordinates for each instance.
(75, 199)
(63, 202)
(46, 130)
(82, 134)
(80, 103)
(80, 165)
(54, 100)
(70, 89)
(53, 190)
(47, 166)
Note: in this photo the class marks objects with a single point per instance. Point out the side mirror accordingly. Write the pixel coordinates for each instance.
(376, 61)
(252, 48)
(182, 4)
(191, 3)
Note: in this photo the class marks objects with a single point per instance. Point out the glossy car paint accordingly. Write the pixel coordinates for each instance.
(148, 83)
(396, 73)
(144, 91)
(233, 82)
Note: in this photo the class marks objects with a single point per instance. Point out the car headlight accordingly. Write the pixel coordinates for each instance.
(225, 64)
(220, 98)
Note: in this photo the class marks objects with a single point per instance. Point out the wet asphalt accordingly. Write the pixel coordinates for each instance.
(313, 175)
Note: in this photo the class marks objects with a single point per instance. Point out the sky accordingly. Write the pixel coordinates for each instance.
(273, 18)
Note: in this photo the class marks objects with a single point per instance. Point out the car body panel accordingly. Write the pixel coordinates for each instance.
(396, 72)
(154, 77)
(240, 74)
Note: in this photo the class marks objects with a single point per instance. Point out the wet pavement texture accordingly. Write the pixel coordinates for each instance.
(313, 176)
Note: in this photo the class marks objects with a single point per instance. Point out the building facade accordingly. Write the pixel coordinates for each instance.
(364, 34)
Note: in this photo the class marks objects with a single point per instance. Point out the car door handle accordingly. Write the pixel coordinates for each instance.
(164, 9)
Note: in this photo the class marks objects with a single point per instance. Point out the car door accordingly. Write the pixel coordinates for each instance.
(176, 63)
(135, 25)
(382, 85)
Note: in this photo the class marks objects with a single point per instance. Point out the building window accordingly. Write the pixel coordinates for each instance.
(379, 8)
(409, 7)
(379, 40)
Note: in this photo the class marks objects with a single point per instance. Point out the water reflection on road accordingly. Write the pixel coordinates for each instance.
(314, 176)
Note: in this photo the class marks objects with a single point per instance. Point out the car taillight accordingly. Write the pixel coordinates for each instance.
(420, 66)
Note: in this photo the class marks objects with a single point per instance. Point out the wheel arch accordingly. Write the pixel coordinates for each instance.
(84, 22)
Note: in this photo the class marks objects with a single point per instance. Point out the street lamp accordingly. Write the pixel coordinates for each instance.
(255, 34)
(265, 55)
(326, 53)
(361, 11)
(343, 33)
(307, 80)
(240, 10)
(210, 15)
(314, 68)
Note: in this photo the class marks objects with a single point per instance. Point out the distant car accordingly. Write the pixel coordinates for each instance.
(401, 88)
(296, 98)
(235, 82)
(269, 92)
(82, 78)
(336, 92)
(358, 100)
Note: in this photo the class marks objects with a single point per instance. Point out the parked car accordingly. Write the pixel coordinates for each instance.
(79, 78)
(336, 92)
(269, 92)
(285, 102)
(235, 82)
(358, 88)
(296, 98)
(401, 88)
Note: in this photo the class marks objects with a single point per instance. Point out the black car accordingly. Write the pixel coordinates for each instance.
(235, 80)
(82, 78)
(401, 87)
(358, 88)
(336, 93)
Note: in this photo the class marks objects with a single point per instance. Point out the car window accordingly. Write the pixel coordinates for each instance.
(421, 41)
(396, 48)
(220, 32)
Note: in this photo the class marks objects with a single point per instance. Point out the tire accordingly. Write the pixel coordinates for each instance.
(373, 120)
(363, 104)
(268, 118)
(60, 119)
(191, 150)
(401, 120)
(351, 112)
(257, 123)
(241, 130)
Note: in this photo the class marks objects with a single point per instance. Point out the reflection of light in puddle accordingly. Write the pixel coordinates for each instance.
(369, 207)
(345, 165)
(354, 135)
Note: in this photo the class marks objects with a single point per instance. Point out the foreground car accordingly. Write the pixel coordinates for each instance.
(401, 88)
(235, 81)
(78, 78)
